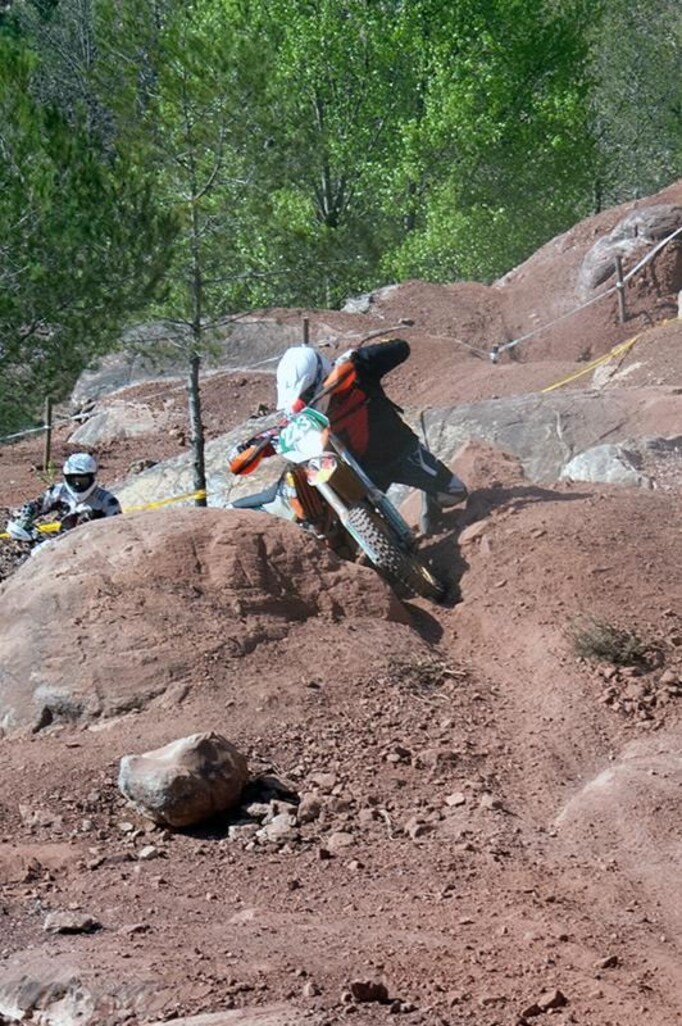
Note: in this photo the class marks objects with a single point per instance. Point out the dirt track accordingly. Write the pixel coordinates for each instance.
(497, 836)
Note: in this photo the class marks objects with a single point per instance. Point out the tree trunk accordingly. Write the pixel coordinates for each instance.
(196, 429)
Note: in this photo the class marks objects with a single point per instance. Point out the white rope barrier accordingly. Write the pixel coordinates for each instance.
(501, 348)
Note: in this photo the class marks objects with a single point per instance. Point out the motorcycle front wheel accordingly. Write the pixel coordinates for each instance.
(398, 567)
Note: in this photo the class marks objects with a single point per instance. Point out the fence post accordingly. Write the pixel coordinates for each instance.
(620, 285)
(48, 432)
(306, 331)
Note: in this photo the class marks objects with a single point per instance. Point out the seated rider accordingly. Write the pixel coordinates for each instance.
(365, 419)
(76, 499)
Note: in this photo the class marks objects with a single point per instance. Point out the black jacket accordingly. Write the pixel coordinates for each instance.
(387, 437)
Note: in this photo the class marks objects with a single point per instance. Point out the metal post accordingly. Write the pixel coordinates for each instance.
(620, 285)
(48, 433)
(306, 331)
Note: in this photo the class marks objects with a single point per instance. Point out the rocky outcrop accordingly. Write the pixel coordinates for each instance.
(234, 575)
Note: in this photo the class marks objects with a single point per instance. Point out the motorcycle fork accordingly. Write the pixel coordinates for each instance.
(377, 498)
(338, 505)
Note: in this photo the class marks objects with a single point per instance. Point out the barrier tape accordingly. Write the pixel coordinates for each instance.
(201, 494)
(618, 350)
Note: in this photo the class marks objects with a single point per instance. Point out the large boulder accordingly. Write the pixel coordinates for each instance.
(108, 617)
(186, 781)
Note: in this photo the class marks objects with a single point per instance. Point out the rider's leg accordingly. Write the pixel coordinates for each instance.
(419, 468)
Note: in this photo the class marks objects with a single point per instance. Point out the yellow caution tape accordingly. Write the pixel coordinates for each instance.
(616, 351)
(201, 494)
(45, 528)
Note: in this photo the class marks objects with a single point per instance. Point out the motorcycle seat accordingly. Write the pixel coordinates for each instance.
(259, 499)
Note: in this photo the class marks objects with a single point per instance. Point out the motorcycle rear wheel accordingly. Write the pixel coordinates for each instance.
(398, 567)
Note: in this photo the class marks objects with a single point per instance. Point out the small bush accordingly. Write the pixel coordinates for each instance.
(596, 639)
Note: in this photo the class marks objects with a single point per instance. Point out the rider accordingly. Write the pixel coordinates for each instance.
(76, 499)
(364, 418)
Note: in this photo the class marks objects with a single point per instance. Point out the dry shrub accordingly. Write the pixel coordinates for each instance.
(607, 643)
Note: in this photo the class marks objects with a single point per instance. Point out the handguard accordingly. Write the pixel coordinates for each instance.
(247, 456)
(19, 532)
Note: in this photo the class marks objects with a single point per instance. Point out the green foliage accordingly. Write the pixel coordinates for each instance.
(636, 102)
(500, 149)
(81, 246)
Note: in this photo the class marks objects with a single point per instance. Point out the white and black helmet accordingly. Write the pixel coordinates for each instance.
(80, 472)
(300, 373)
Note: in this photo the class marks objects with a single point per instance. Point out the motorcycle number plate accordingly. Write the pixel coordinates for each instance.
(304, 436)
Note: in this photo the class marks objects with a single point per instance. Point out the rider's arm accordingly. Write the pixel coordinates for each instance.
(105, 505)
(111, 507)
(377, 360)
(20, 525)
(27, 513)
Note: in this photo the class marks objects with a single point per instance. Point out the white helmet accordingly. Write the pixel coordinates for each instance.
(80, 471)
(300, 373)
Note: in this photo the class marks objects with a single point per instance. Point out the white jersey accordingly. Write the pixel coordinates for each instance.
(70, 512)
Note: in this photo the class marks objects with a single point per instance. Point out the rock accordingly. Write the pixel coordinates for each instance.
(254, 1015)
(531, 1011)
(434, 758)
(608, 464)
(364, 991)
(455, 799)
(416, 827)
(610, 962)
(242, 831)
(473, 533)
(150, 851)
(325, 781)
(259, 810)
(309, 808)
(137, 466)
(280, 829)
(186, 781)
(488, 801)
(398, 754)
(552, 999)
(338, 840)
(70, 922)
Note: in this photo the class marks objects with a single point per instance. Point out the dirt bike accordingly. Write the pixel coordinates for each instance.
(34, 535)
(18, 532)
(326, 491)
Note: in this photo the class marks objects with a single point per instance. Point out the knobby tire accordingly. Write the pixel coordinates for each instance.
(398, 567)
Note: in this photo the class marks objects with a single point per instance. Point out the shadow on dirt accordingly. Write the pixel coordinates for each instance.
(263, 797)
(423, 622)
(485, 500)
(442, 552)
